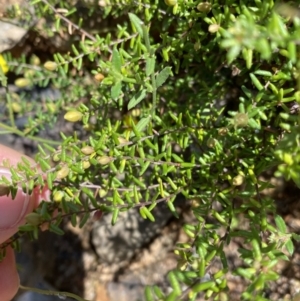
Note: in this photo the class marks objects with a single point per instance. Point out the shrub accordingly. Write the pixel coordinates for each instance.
(175, 98)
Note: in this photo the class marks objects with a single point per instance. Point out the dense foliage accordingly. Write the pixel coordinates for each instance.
(175, 99)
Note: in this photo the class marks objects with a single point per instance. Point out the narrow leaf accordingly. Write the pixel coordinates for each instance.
(150, 65)
(148, 294)
(55, 229)
(137, 23)
(163, 76)
(280, 224)
(143, 123)
(290, 246)
(115, 216)
(116, 60)
(296, 236)
(116, 90)
(137, 98)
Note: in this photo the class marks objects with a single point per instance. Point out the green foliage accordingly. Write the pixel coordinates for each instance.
(163, 121)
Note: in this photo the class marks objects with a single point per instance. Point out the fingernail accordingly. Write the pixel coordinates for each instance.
(12, 211)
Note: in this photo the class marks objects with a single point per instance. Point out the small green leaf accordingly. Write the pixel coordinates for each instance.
(232, 53)
(280, 224)
(203, 286)
(150, 65)
(158, 292)
(148, 293)
(290, 246)
(116, 60)
(172, 208)
(136, 99)
(145, 213)
(115, 216)
(137, 23)
(256, 82)
(143, 123)
(252, 123)
(163, 76)
(144, 168)
(116, 90)
(296, 236)
(295, 177)
(84, 219)
(174, 283)
(74, 220)
(55, 229)
(50, 180)
(263, 73)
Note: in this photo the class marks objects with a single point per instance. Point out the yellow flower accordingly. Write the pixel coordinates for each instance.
(3, 64)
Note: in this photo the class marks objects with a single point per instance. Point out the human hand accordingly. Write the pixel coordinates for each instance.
(12, 215)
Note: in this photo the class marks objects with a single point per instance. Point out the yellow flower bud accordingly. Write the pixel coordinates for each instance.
(240, 120)
(16, 107)
(58, 196)
(63, 172)
(136, 112)
(171, 2)
(104, 160)
(56, 157)
(35, 60)
(222, 131)
(87, 150)
(102, 193)
(122, 140)
(22, 82)
(238, 180)
(86, 164)
(99, 77)
(213, 28)
(211, 142)
(50, 66)
(204, 7)
(73, 116)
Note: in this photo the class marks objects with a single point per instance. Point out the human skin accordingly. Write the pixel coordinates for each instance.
(12, 215)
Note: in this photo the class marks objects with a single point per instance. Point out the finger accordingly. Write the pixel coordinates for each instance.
(12, 156)
(9, 279)
(13, 212)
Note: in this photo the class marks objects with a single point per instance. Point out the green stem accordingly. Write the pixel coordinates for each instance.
(52, 293)
(20, 133)
(10, 110)
(153, 81)
(153, 94)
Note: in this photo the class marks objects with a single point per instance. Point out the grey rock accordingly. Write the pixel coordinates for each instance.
(13, 31)
(10, 35)
(122, 291)
(118, 243)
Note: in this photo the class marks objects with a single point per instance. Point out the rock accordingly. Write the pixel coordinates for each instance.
(13, 31)
(119, 243)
